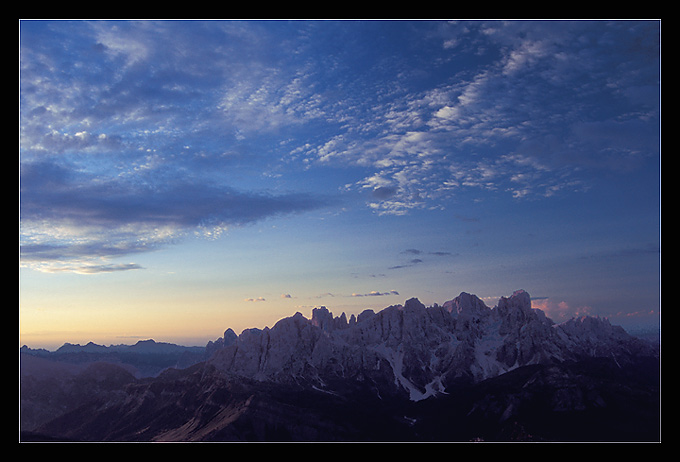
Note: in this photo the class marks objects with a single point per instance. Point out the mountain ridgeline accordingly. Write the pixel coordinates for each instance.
(457, 372)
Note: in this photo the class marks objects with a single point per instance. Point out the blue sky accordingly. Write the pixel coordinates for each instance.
(182, 177)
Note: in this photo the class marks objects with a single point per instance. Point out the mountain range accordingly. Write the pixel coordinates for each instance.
(457, 372)
(146, 358)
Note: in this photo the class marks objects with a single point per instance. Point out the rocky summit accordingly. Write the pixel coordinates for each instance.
(420, 350)
(454, 372)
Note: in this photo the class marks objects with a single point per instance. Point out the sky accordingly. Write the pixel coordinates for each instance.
(178, 178)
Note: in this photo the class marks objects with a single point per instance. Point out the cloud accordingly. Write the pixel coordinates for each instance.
(324, 295)
(52, 192)
(417, 261)
(529, 116)
(420, 252)
(559, 311)
(120, 160)
(131, 47)
(375, 293)
(527, 123)
(89, 269)
(526, 54)
(69, 215)
(95, 248)
(410, 263)
(258, 299)
(91, 257)
(384, 192)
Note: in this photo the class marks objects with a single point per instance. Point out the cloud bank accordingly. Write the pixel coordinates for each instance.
(135, 133)
(69, 217)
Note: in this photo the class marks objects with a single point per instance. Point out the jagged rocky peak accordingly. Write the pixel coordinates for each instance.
(467, 305)
(413, 304)
(229, 338)
(324, 320)
(520, 300)
(515, 312)
(592, 326)
(417, 349)
(365, 315)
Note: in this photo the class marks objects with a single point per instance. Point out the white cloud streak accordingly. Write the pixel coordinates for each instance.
(375, 293)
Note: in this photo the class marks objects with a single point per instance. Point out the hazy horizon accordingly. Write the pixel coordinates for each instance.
(178, 178)
(201, 341)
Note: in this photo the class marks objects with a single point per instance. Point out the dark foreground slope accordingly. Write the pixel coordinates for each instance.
(594, 400)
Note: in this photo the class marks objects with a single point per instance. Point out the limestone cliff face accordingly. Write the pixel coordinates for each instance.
(416, 349)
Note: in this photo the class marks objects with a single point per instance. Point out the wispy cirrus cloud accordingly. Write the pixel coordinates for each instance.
(517, 124)
(134, 133)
